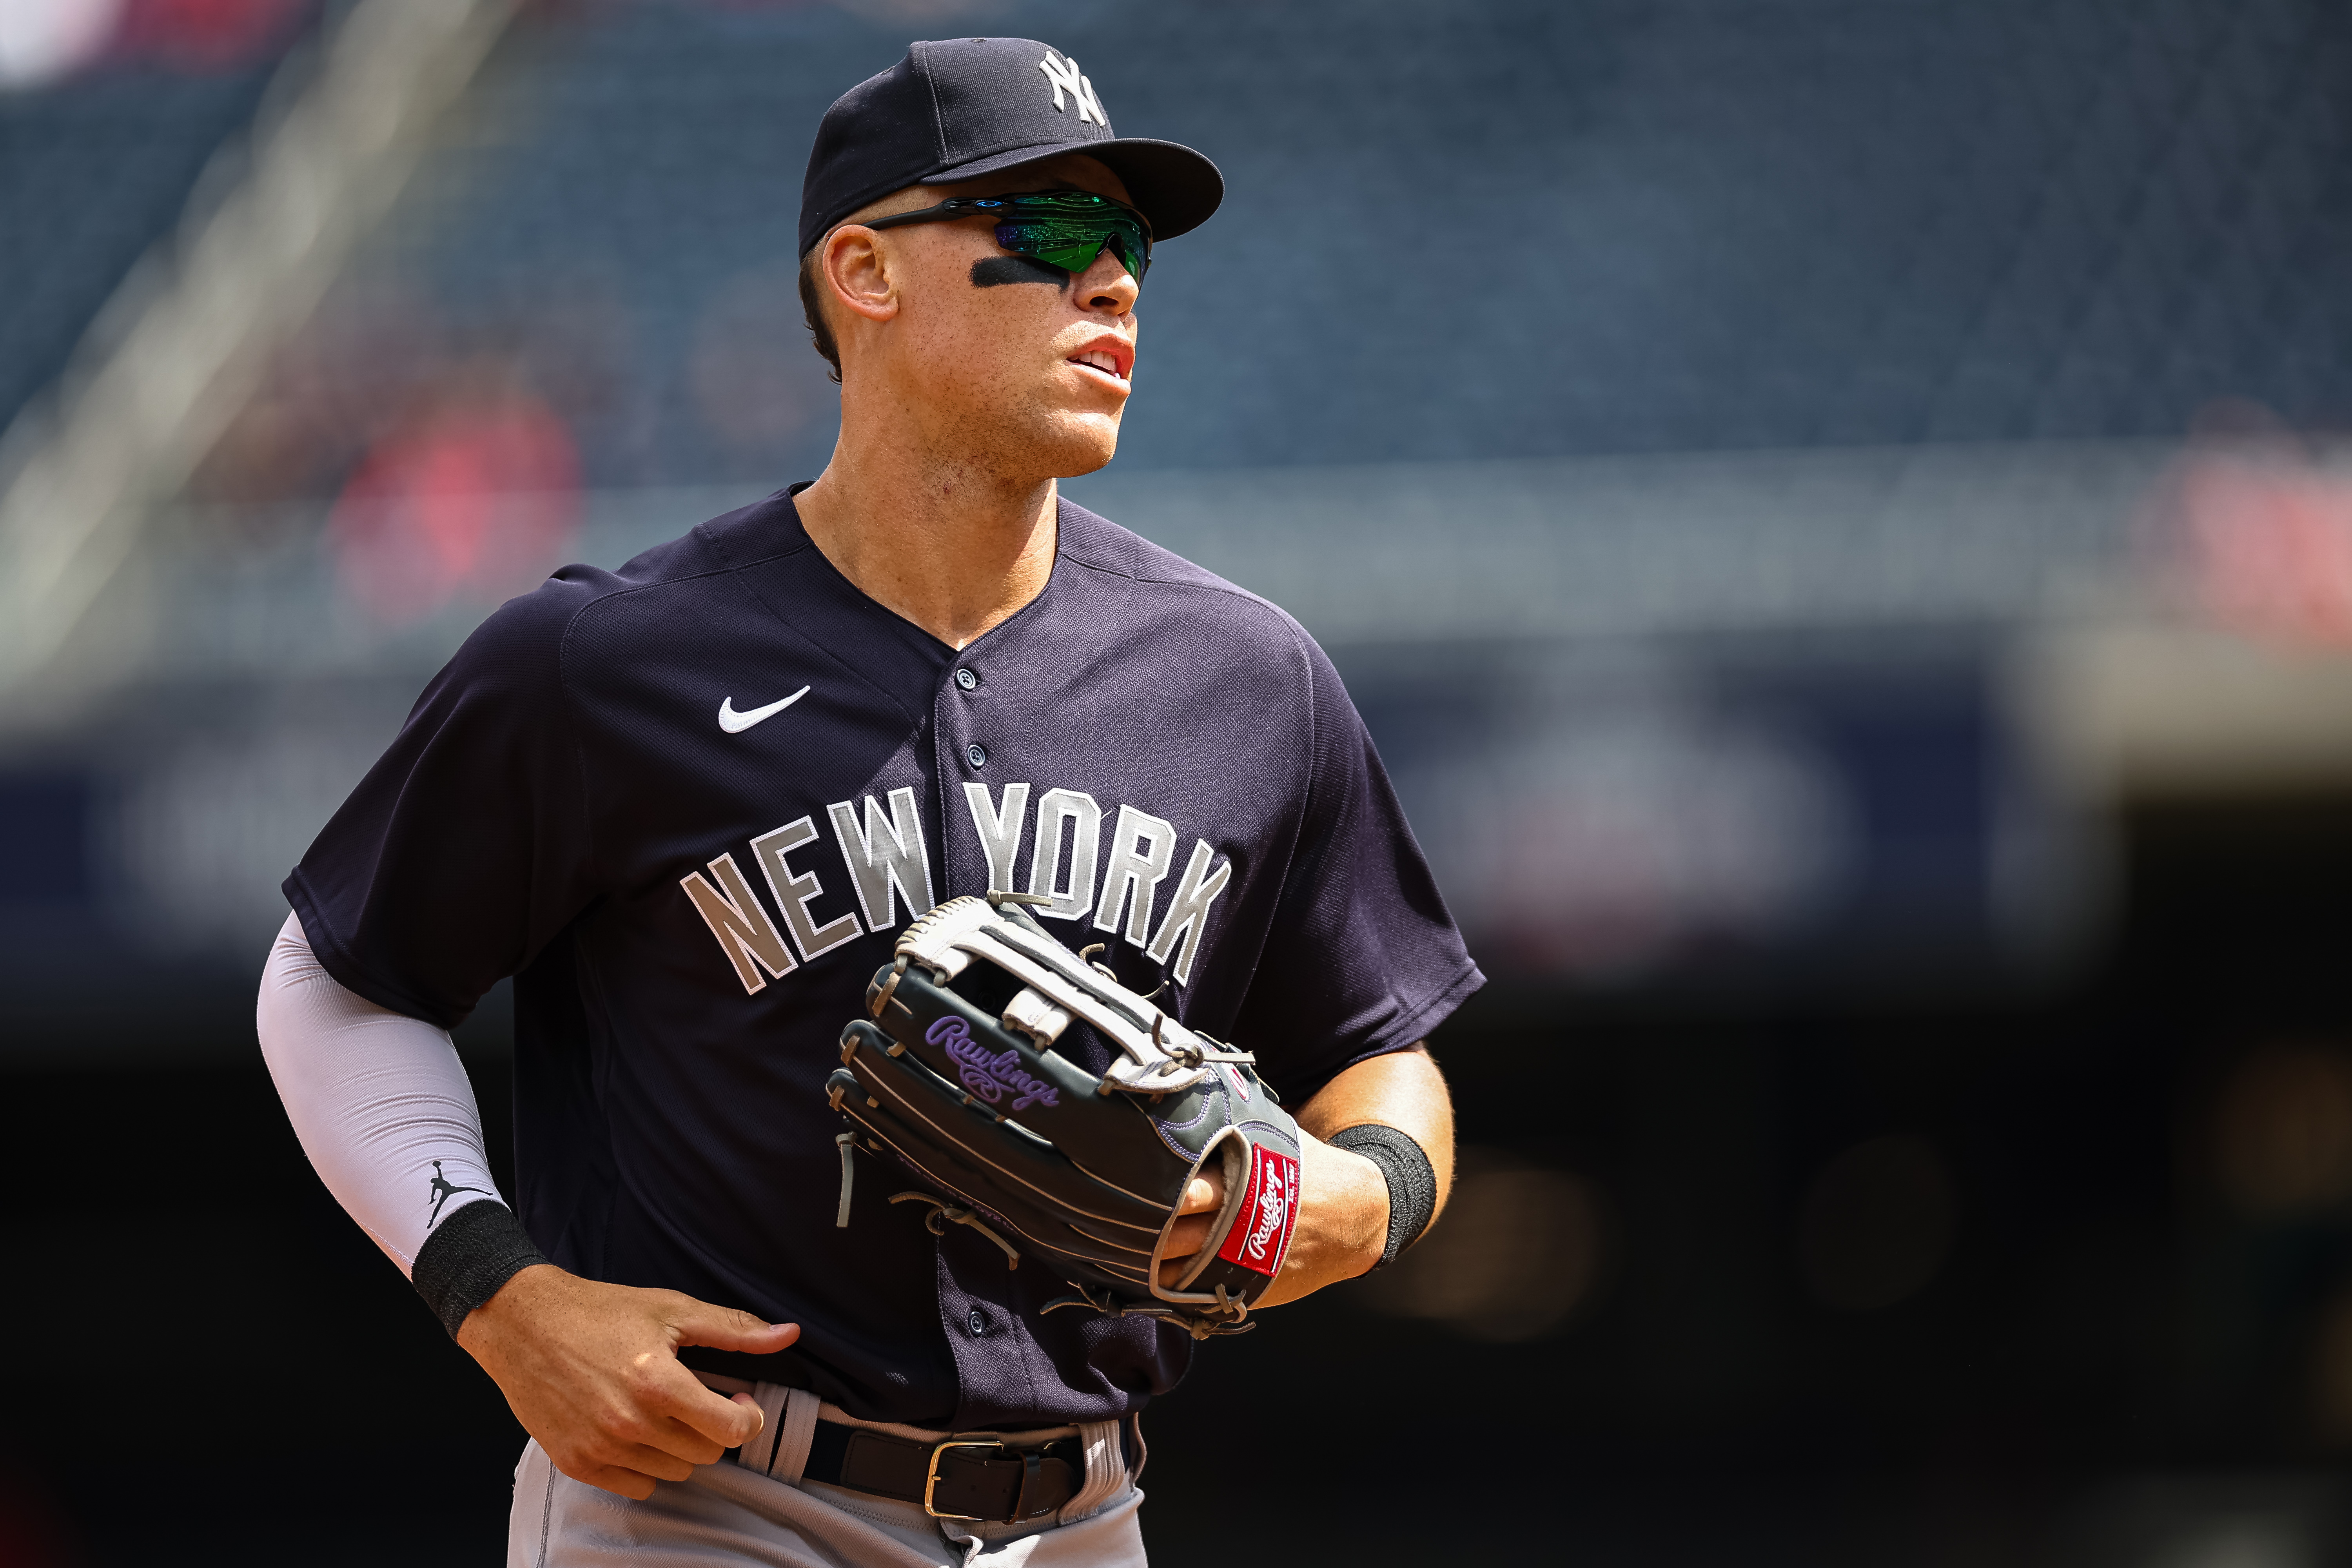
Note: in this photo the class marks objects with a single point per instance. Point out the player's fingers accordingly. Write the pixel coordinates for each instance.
(1187, 1237)
(612, 1479)
(725, 1329)
(684, 1443)
(629, 1469)
(678, 1402)
(1204, 1194)
(669, 1411)
(658, 1464)
(654, 1446)
(1172, 1269)
(748, 1422)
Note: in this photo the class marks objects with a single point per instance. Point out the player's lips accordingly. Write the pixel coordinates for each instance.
(1109, 356)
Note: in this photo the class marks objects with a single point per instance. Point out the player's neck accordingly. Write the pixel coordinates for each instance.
(945, 543)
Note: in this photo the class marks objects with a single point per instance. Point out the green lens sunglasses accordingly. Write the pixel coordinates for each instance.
(1062, 228)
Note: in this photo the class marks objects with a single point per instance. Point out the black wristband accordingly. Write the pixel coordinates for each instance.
(1413, 1184)
(464, 1262)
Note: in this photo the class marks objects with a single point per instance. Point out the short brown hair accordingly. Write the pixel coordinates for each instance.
(819, 333)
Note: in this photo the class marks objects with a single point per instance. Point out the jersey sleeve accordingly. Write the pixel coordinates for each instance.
(466, 846)
(1362, 958)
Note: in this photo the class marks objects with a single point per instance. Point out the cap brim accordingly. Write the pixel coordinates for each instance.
(1172, 186)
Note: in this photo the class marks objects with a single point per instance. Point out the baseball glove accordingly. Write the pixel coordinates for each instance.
(968, 1070)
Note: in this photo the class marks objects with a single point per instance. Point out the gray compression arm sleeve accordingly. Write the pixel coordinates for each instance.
(385, 1112)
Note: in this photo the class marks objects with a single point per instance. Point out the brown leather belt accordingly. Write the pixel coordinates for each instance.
(963, 1478)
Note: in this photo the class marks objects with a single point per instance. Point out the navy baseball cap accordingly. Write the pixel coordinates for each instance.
(969, 107)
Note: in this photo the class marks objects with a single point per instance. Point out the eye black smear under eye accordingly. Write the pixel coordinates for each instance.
(990, 270)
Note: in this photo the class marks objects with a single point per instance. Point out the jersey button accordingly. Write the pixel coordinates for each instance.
(976, 754)
(978, 1323)
(966, 680)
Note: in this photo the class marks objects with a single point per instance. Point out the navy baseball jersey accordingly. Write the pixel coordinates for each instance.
(687, 804)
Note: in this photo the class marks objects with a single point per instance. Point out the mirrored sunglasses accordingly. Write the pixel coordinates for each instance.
(1062, 228)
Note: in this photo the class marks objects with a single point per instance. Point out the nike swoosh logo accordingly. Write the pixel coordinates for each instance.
(735, 724)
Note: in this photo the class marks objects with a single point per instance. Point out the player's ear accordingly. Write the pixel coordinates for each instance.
(854, 263)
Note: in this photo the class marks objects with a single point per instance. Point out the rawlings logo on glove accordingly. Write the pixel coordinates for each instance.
(1268, 1211)
(986, 1076)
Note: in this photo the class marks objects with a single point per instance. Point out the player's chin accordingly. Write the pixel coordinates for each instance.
(1082, 442)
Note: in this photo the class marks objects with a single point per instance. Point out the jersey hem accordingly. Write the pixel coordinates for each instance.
(1414, 1028)
(1443, 1006)
(336, 959)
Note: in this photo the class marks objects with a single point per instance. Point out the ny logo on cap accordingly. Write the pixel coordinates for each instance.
(1063, 75)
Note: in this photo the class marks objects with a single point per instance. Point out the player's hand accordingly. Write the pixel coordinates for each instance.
(591, 1371)
(1342, 1224)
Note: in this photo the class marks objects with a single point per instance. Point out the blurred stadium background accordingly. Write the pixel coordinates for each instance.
(1838, 515)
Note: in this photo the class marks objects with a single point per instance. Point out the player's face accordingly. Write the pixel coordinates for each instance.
(991, 352)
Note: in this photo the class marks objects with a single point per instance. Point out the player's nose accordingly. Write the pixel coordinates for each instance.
(1108, 285)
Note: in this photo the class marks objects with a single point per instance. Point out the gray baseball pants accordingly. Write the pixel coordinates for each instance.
(762, 1512)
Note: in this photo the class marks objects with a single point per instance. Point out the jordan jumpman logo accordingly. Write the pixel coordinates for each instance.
(444, 1190)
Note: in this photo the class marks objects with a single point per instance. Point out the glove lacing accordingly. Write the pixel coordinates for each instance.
(944, 1213)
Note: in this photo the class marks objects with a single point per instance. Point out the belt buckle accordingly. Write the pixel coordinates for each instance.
(931, 1474)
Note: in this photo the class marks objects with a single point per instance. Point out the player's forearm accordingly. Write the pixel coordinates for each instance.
(1403, 1090)
(1345, 1203)
(380, 1102)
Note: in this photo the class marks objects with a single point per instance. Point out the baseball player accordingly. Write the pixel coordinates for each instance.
(698, 806)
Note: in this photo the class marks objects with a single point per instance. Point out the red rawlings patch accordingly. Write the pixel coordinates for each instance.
(1261, 1232)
